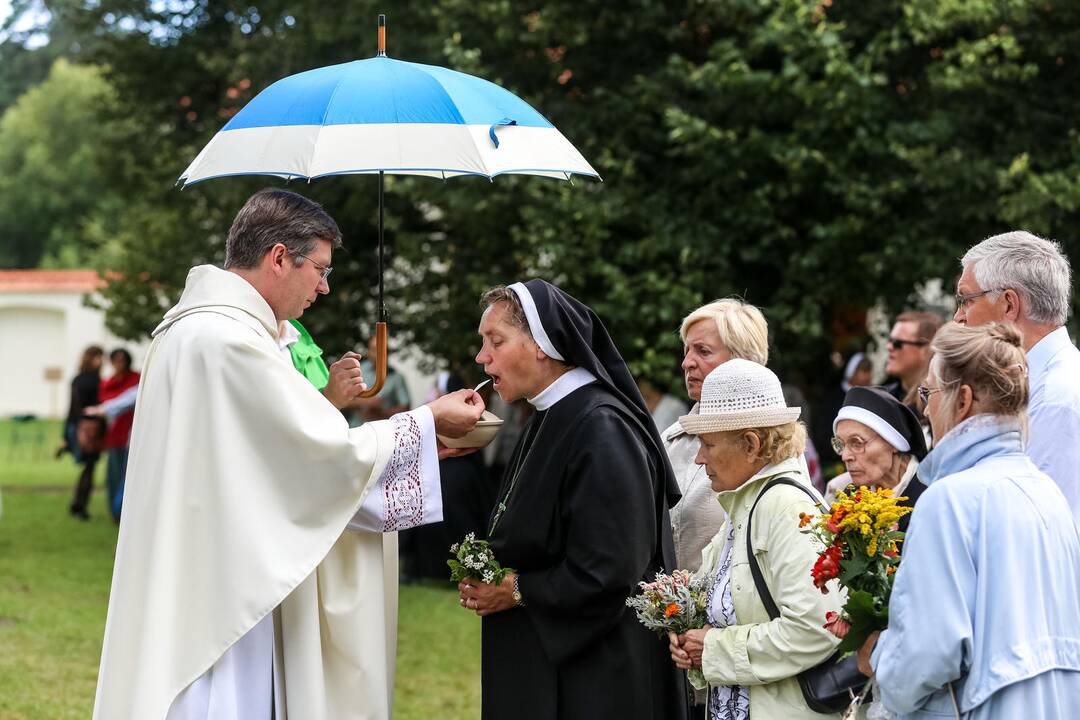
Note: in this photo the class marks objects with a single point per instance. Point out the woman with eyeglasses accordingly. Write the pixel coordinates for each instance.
(983, 615)
(881, 443)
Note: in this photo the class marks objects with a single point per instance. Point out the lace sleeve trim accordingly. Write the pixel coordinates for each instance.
(403, 487)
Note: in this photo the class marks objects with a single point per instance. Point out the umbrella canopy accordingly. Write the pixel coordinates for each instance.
(385, 115)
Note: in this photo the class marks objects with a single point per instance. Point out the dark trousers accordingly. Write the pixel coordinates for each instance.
(84, 485)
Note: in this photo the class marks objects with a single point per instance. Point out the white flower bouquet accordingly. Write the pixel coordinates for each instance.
(473, 558)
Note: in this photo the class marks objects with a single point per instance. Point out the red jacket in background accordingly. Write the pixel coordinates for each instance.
(120, 430)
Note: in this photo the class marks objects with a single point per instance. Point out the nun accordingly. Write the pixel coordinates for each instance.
(881, 443)
(582, 517)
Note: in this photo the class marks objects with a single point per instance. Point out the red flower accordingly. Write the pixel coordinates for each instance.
(671, 609)
(827, 567)
(837, 625)
(804, 519)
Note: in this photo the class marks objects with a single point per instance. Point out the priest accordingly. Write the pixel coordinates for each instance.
(582, 515)
(248, 582)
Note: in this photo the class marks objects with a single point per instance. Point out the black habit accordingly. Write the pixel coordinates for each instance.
(585, 520)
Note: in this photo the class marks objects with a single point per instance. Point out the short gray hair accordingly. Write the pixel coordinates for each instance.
(1035, 268)
(275, 216)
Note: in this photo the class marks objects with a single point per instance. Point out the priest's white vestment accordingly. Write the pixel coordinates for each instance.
(241, 484)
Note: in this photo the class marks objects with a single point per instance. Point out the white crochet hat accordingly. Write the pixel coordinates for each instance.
(737, 395)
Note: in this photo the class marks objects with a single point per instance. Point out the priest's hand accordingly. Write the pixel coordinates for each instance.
(346, 381)
(457, 413)
(486, 599)
(686, 649)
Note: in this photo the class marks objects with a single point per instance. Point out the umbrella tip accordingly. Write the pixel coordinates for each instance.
(382, 35)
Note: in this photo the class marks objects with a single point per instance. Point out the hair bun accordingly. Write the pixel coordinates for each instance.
(1008, 333)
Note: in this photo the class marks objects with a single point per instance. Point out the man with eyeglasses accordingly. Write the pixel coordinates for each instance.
(249, 579)
(1021, 278)
(909, 354)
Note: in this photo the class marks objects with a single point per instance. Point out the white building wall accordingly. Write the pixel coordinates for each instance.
(48, 331)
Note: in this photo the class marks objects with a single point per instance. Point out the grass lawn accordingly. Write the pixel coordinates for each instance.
(54, 591)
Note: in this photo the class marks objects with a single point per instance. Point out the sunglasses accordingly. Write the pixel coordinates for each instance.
(898, 344)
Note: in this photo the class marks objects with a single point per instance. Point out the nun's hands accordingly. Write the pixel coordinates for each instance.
(486, 599)
(457, 413)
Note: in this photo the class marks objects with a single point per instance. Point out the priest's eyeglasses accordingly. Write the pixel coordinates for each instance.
(856, 445)
(324, 269)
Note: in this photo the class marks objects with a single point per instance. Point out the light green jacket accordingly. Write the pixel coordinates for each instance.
(761, 654)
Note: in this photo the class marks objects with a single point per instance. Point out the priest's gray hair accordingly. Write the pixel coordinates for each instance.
(515, 313)
(1035, 268)
(275, 216)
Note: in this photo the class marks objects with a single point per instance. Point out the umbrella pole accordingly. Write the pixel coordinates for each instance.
(382, 335)
(382, 307)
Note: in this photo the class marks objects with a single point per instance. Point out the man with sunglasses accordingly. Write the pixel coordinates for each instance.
(909, 354)
(1021, 278)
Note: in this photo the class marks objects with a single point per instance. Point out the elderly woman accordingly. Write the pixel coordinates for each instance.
(712, 334)
(748, 438)
(881, 443)
(986, 602)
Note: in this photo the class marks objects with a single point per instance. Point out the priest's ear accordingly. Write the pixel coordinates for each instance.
(276, 258)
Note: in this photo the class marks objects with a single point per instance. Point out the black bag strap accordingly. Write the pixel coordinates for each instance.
(755, 569)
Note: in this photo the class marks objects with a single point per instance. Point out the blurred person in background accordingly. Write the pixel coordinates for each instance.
(84, 394)
(858, 372)
(118, 435)
(1024, 279)
(665, 407)
(983, 614)
(712, 334)
(909, 354)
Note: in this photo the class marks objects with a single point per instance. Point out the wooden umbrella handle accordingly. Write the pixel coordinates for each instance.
(382, 336)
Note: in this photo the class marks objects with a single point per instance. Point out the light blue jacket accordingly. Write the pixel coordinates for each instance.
(987, 597)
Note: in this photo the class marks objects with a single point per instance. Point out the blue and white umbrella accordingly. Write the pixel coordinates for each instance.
(379, 116)
(383, 115)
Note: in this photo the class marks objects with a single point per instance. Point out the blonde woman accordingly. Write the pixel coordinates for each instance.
(711, 335)
(749, 437)
(983, 616)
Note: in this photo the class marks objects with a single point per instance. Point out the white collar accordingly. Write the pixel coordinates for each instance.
(565, 384)
(1038, 357)
(288, 336)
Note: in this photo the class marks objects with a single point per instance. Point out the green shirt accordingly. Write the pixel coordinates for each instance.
(307, 358)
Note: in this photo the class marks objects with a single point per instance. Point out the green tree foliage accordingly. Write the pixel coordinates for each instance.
(52, 180)
(813, 156)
